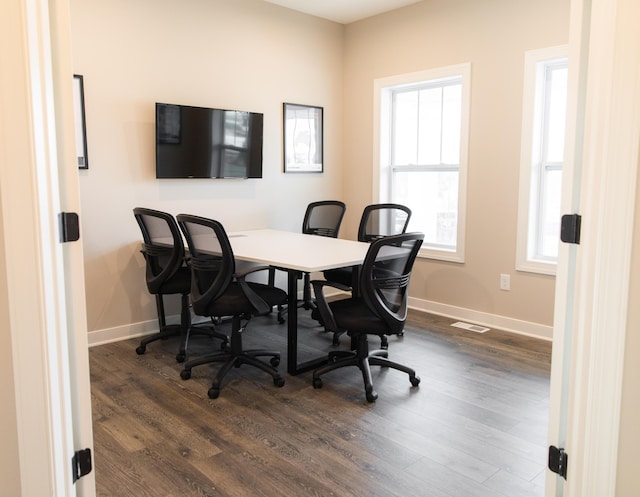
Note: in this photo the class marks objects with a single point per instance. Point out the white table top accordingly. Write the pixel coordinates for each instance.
(297, 251)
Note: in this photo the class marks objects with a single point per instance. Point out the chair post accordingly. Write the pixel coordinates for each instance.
(185, 325)
(162, 321)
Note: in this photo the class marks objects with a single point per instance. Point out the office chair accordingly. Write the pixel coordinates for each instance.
(217, 290)
(321, 218)
(167, 274)
(377, 221)
(380, 308)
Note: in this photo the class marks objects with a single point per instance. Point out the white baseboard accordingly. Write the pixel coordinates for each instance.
(527, 328)
(133, 330)
(543, 332)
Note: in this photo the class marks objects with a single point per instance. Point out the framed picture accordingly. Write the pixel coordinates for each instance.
(303, 137)
(80, 121)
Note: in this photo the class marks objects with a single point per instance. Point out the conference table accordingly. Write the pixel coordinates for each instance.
(296, 253)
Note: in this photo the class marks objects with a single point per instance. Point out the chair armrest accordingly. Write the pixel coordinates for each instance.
(323, 306)
(245, 272)
(257, 302)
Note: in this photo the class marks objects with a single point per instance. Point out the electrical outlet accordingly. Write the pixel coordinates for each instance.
(505, 282)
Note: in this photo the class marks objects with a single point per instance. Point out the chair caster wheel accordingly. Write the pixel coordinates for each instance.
(185, 374)
(371, 395)
(213, 393)
(275, 362)
(141, 350)
(278, 381)
(317, 383)
(180, 357)
(415, 380)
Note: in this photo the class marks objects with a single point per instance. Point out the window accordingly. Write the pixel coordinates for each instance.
(542, 155)
(422, 121)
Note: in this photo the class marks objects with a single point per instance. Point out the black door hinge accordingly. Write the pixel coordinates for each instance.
(558, 461)
(570, 228)
(81, 464)
(69, 227)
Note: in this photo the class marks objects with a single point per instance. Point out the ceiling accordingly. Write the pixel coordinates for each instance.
(343, 11)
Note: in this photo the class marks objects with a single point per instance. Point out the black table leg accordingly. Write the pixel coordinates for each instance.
(293, 368)
(292, 321)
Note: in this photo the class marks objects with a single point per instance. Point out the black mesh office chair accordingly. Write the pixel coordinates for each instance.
(380, 309)
(167, 274)
(321, 218)
(217, 290)
(377, 221)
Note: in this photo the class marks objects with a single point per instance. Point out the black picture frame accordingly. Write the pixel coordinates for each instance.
(80, 122)
(303, 138)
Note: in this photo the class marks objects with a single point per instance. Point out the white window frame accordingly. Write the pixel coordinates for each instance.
(527, 224)
(381, 168)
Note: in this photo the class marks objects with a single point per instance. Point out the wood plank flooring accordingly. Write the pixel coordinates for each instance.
(475, 427)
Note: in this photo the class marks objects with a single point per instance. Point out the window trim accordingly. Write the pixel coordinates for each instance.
(380, 173)
(525, 212)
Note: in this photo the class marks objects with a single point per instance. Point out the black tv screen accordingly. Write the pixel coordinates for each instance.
(198, 142)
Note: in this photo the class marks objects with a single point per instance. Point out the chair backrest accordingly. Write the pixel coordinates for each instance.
(385, 274)
(210, 257)
(380, 220)
(324, 218)
(162, 247)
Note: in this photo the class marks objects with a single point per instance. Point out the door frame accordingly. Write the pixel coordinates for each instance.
(592, 286)
(44, 278)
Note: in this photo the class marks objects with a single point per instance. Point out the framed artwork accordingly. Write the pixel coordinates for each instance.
(80, 121)
(303, 137)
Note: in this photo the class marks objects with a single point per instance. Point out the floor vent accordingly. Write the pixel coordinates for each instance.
(470, 327)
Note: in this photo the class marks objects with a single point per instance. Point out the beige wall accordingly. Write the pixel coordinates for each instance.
(493, 36)
(251, 55)
(245, 55)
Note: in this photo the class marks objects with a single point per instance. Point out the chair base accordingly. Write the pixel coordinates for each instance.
(362, 359)
(235, 356)
(184, 330)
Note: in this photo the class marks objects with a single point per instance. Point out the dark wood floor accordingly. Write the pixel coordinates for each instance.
(475, 427)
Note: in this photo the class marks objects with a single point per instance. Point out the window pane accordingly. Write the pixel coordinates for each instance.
(430, 126)
(557, 114)
(405, 122)
(451, 121)
(432, 197)
(549, 224)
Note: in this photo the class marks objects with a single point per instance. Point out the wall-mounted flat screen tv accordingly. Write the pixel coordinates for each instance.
(199, 142)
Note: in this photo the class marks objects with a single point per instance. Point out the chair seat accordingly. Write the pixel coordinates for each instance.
(234, 302)
(343, 275)
(354, 315)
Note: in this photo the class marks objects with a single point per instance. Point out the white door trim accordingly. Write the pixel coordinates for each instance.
(594, 358)
(35, 60)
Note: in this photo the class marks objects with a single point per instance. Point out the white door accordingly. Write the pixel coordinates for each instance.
(592, 283)
(44, 278)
